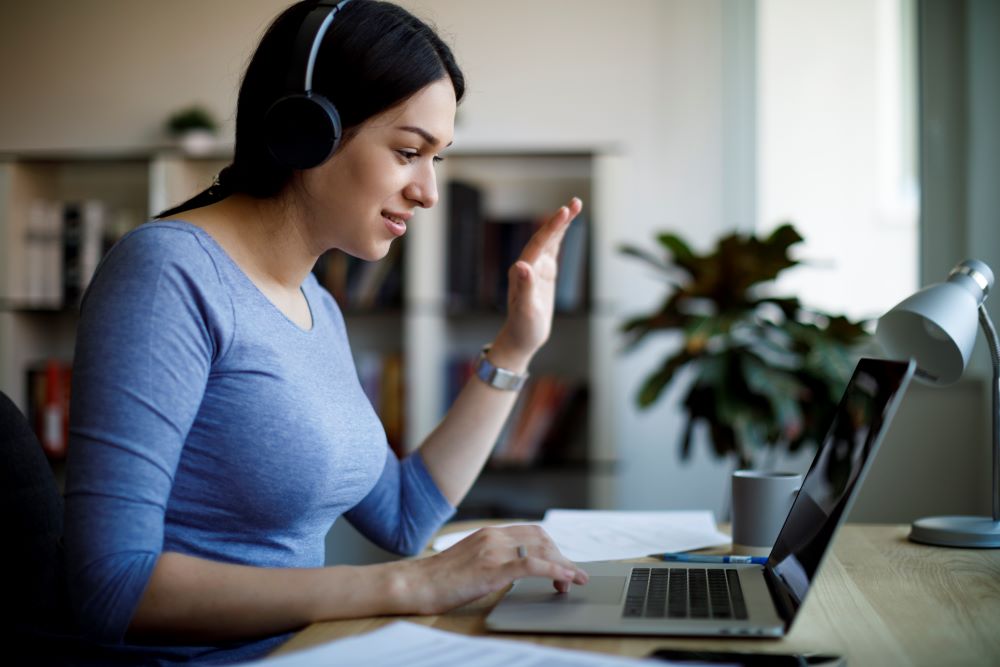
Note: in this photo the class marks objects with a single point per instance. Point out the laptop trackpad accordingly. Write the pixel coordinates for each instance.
(533, 604)
(599, 590)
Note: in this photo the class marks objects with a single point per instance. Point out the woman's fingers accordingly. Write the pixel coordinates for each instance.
(487, 561)
(536, 543)
(532, 566)
(490, 559)
(550, 235)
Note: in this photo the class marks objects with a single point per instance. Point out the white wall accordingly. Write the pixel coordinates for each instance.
(104, 74)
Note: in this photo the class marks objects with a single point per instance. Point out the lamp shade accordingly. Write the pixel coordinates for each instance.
(938, 325)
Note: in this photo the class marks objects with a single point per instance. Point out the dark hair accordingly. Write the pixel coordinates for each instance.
(374, 56)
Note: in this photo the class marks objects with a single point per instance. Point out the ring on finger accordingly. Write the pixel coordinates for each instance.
(522, 551)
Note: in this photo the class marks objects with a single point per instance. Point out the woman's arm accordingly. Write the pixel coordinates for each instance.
(192, 599)
(457, 449)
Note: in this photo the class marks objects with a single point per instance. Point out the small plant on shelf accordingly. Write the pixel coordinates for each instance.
(194, 128)
(764, 372)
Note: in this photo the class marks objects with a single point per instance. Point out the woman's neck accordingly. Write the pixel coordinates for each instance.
(265, 237)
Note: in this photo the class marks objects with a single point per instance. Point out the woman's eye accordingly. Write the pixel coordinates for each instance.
(409, 156)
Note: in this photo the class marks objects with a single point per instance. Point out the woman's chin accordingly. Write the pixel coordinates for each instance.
(376, 252)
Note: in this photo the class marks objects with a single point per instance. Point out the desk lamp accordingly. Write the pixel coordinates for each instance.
(937, 328)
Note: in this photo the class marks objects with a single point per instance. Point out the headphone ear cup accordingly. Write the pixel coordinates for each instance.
(302, 130)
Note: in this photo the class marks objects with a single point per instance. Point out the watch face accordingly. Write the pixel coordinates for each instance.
(498, 377)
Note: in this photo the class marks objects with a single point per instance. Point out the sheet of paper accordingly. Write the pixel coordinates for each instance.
(413, 645)
(589, 535)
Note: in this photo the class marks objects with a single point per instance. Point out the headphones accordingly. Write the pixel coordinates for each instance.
(302, 129)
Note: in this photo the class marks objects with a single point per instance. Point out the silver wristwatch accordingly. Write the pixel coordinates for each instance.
(501, 378)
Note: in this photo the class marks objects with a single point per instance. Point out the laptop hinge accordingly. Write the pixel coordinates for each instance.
(784, 603)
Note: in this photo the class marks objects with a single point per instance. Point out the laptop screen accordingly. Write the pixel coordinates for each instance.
(834, 478)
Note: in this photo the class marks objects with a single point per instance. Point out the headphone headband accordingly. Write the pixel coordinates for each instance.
(307, 43)
(302, 129)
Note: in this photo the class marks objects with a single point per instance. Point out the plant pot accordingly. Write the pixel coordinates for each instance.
(197, 142)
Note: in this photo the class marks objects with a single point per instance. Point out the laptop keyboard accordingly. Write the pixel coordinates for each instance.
(684, 593)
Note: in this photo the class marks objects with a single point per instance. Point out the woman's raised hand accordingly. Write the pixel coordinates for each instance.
(531, 295)
(484, 562)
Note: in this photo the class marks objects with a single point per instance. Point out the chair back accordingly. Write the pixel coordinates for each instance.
(31, 523)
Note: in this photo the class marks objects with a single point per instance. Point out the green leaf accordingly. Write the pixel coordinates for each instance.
(686, 439)
(784, 236)
(782, 391)
(647, 257)
(657, 382)
(680, 250)
(668, 317)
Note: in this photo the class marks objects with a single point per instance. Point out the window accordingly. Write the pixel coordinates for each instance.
(836, 147)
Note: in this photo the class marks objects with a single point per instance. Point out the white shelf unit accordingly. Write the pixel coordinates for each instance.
(514, 183)
(132, 185)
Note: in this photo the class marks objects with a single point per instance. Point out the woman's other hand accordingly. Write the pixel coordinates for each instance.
(531, 295)
(482, 563)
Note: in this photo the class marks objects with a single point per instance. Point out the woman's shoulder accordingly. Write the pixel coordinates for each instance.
(163, 245)
(165, 238)
(159, 252)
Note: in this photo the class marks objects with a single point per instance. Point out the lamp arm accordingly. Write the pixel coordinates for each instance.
(991, 339)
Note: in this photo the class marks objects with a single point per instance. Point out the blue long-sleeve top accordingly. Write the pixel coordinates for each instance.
(205, 422)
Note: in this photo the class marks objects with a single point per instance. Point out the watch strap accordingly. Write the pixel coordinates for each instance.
(499, 378)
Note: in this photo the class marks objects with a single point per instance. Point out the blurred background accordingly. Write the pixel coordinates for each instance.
(871, 125)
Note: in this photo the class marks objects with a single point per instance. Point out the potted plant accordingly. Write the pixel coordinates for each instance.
(764, 372)
(193, 128)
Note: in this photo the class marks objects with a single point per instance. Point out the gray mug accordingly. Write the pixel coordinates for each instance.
(761, 501)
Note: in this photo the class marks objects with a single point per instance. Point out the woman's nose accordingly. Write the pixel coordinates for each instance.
(423, 189)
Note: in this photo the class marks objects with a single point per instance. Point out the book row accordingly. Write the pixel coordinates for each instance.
(360, 285)
(482, 248)
(62, 244)
(546, 426)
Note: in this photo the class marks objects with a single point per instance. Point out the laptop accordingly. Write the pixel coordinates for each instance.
(728, 600)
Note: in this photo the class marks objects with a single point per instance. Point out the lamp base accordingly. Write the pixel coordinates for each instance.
(957, 531)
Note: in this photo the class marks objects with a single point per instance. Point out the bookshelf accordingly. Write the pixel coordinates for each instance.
(110, 193)
(516, 187)
(422, 328)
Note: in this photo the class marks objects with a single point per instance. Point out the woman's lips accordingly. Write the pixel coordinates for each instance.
(396, 226)
(396, 222)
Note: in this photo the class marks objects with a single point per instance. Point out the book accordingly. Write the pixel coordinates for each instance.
(566, 440)
(503, 241)
(43, 254)
(543, 402)
(571, 281)
(356, 284)
(48, 385)
(83, 225)
(465, 243)
(382, 380)
(369, 291)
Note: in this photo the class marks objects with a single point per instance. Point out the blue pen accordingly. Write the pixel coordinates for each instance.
(689, 558)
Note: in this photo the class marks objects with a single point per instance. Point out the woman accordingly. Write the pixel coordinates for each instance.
(218, 427)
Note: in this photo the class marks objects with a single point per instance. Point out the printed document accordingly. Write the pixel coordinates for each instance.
(589, 535)
(413, 645)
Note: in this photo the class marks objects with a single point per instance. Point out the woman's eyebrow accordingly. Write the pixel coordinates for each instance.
(424, 134)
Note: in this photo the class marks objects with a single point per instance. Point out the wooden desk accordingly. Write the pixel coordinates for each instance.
(878, 600)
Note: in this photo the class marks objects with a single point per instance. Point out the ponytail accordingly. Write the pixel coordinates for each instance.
(220, 188)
